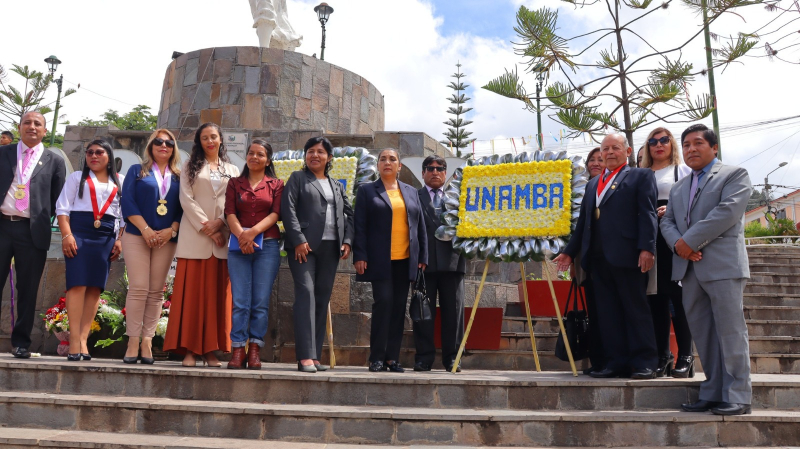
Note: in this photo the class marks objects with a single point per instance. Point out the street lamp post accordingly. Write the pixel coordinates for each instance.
(52, 66)
(540, 71)
(323, 11)
(767, 188)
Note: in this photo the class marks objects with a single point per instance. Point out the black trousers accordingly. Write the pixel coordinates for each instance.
(668, 291)
(313, 284)
(389, 313)
(624, 316)
(449, 288)
(29, 261)
(597, 356)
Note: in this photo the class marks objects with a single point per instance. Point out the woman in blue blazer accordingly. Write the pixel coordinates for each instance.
(152, 210)
(390, 245)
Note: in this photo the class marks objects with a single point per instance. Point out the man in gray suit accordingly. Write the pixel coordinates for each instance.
(704, 224)
(31, 178)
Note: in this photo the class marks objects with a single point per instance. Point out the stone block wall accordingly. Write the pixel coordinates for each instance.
(266, 89)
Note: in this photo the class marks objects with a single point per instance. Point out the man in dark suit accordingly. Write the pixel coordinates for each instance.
(31, 177)
(444, 276)
(616, 238)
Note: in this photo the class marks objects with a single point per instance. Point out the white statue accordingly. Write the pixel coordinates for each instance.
(271, 21)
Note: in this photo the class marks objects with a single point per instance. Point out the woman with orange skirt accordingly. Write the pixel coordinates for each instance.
(200, 314)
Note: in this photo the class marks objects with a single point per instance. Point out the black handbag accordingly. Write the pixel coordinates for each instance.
(420, 307)
(576, 325)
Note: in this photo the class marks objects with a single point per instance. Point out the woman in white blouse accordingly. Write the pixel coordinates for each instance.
(662, 155)
(89, 217)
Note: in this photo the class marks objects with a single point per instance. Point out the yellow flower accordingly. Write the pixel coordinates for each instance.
(95, 326)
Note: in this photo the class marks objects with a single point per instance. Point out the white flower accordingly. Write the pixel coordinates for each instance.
(161, 327)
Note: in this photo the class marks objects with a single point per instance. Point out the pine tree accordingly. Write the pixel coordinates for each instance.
(456, 135)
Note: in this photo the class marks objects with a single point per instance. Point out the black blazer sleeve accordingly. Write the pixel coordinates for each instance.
(648, 221)
(422, 233)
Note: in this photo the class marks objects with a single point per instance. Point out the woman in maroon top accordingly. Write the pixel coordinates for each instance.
(252, 206)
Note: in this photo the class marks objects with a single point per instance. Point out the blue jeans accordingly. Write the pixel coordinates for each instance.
(252, 276)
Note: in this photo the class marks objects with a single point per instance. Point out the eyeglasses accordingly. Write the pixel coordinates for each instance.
(157, 142)
(653, 142)
(98, 153)
(432, 169)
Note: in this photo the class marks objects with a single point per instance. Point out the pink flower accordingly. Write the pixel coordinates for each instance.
(167, 304)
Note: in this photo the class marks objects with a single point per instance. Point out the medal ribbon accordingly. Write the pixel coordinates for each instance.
(163, 181)
(24, 173)
(603, 184)
(98, 214)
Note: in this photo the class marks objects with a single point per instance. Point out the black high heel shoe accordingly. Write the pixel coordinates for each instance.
(73, 357)
(665, 366)
(684, 367)
(86, 356)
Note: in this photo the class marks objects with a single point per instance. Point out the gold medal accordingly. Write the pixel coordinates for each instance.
(97, 224)
(597, 213)
(162, 207)
(19, 194)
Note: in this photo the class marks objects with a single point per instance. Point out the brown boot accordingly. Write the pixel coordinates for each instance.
(238, 359)
(253, 357)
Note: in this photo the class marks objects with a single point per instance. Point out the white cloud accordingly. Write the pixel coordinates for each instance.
(121, 50)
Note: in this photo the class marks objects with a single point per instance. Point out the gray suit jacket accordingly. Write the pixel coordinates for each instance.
(717, 223)
(46, 183)
(303, 209)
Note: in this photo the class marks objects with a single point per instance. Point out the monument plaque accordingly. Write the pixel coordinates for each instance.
(237, 143)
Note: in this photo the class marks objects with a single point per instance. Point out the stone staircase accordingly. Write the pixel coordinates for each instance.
(87, 403)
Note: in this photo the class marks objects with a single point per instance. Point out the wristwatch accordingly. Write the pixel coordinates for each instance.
(174, 232)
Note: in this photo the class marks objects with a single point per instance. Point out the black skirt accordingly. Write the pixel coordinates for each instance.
(89, 268)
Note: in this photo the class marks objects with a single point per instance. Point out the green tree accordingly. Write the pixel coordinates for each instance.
(15, 102)
(456, 134)
(594, 92)
(138, 119)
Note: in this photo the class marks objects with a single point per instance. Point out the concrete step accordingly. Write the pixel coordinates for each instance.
(770, 299)
(771, 287)
(774, 363)
(775, 345)
(356, 387)
(775, 278)
(394, 424)
(772, 312)
(766, 328)
(775, 267)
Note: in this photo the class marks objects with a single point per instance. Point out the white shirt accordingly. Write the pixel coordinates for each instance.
(665, 179)
(9, 205)
(599, 196)
(68, 201)
(330, 225)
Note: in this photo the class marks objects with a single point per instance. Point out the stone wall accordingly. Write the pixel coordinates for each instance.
(267, 89)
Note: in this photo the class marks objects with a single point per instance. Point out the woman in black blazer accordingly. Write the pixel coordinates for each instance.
(389, 247)
(318, 220)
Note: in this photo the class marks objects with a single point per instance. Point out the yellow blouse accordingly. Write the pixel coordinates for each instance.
(400, 244)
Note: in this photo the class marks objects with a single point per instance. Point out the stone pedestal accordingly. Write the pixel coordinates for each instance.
(266, 89)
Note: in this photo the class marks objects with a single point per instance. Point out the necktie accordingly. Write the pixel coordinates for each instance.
(23, 203)
(437, 199)
(692, 193)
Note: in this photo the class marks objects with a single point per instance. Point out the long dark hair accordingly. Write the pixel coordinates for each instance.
(328, 149)
(111, 167)
(198, 156)
(269, 170)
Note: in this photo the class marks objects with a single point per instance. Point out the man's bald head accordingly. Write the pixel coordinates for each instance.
(32, 128)
(615, 150)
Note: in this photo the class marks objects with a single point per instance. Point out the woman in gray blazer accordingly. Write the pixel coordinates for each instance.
(318, 220)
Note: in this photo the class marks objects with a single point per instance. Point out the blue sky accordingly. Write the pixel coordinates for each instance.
(475, 17)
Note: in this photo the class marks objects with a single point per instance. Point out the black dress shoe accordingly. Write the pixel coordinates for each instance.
(699, 406)
(607, 373)
(394, 367)
(419, 366)
(449, 368)
(643, 373)
(21, 353)
(665, 366)
(729, 408)
(591, 369)
(376, 366)
(684, 367)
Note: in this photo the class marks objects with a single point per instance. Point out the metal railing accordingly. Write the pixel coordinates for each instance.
(779, 240)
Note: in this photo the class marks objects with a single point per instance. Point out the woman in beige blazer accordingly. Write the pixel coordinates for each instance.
(200, 314)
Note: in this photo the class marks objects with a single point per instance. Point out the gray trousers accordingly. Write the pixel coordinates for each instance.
(716, 319)
(313, 284)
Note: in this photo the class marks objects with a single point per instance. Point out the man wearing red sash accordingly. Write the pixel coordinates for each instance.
(31, 178)
(616, 238)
